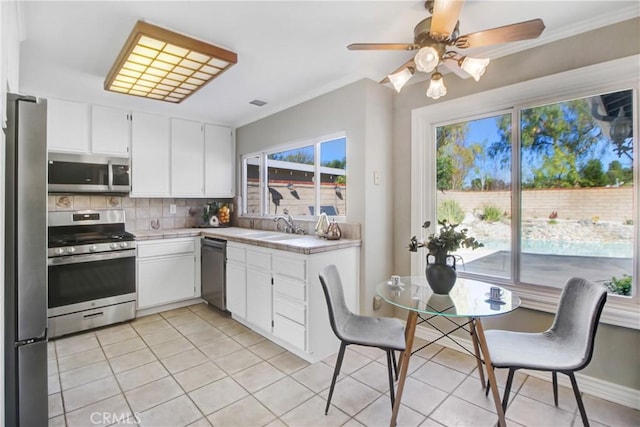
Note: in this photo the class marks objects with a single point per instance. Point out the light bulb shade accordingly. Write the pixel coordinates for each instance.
(399, 79)
(436, 88)
(427, 59)
(474, 66)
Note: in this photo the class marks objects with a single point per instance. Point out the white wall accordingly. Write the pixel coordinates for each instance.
(364, 111)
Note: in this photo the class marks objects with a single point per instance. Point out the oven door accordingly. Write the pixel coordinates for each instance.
(82, 282)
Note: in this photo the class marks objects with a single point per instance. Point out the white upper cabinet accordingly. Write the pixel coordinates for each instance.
(187, 164)
(219, 155)
(150, 156)
(110, 131)
(67, 126)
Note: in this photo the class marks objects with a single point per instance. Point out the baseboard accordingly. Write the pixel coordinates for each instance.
(167, 307)
(596, 387)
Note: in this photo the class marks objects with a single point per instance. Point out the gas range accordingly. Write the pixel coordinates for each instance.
(91, 270)
(85, 232)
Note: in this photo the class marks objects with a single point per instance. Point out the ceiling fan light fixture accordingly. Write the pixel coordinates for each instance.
(157, 63)
(399, 79)
(427, 59)
(437, 88)
(475, 67)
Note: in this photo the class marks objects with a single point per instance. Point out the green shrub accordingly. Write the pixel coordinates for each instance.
(552, 221)
(450, 211)
(620, 286)
(492, 213)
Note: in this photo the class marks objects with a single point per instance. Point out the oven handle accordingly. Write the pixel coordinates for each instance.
(76, 259)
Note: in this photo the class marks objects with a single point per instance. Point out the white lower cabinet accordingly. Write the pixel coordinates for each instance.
(237, 289)
(167, 271)
(283, 297)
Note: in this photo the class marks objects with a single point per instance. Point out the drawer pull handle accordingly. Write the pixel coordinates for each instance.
(92, 315)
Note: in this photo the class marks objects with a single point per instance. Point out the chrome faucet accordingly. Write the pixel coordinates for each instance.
(288, 221)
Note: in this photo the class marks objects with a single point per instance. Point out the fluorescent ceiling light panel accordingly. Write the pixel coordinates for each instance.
(157, 58)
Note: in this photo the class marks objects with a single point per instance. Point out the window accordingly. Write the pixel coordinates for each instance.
(575, 198)
(289, 179)
(544, 174)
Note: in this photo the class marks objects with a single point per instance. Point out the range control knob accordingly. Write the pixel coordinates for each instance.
(93, 248)
(59, 251)
(124, 244)
(71, 250)
(113, 246)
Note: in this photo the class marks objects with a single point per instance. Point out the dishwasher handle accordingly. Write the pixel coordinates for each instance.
(214, 243)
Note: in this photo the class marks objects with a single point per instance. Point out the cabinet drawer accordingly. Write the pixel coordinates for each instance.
(166, 247)
(291, 288)
(289, 331)
(290, 310)
(291, 267)
(236, 254)
(259, 259)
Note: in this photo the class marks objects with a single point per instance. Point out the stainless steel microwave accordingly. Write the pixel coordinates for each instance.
(74, 173)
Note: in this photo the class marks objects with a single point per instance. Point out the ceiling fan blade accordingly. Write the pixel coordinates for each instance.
(445, 17)
(509, 33)
(455, 69)
(383, 46)
(408, 64)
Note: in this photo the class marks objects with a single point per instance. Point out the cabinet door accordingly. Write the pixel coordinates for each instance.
(219, 161)
(150, 154)
(163, 280)
(259, 298)
(110, 131)
(187, 164)
(67, 126)
(237, 289)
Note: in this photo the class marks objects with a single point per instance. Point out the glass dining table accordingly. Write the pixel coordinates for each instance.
(462, 309)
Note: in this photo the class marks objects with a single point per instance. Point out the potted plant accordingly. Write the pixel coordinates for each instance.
(441, 268)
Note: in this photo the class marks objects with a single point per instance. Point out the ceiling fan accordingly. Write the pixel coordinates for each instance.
(437, 34)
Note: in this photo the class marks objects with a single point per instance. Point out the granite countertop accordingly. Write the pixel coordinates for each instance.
(303, 244)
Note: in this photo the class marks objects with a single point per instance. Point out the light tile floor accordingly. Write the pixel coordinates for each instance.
(195, 366)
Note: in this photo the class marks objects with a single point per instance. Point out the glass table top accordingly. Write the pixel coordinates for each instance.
(468, 298)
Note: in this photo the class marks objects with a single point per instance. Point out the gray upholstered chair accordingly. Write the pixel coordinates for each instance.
(566, 347)
(382, 332)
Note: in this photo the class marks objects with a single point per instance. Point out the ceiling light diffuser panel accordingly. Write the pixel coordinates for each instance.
(157, 63)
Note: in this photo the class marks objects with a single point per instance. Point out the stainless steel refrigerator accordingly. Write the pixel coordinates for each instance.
(25, 310)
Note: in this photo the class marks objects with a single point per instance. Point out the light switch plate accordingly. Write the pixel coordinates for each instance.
(376, 178)
(172, 209)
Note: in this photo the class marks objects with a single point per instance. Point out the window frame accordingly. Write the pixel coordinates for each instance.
(606, 77)
(317, 170)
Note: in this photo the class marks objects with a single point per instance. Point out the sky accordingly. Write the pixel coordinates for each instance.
(334, 149)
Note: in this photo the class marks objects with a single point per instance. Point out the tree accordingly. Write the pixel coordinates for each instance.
(554, 141)
(617, 175)
(592, 175)
(454, 157)
(335, 163)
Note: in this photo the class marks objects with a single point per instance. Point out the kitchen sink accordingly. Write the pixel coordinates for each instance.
(259, 234)
(278, 237)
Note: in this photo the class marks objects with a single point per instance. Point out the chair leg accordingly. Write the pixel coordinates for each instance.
(583, 413)
(336, 371)
(554, 378)
(488, 387)
(390, 369)
(507, 389)
(395, 364)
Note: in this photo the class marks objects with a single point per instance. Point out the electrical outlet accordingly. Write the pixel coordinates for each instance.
(172, 209)
(377, 303)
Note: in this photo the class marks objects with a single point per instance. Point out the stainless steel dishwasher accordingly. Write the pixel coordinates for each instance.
(213, 272)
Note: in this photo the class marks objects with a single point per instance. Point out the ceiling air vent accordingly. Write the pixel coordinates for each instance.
(258, 102)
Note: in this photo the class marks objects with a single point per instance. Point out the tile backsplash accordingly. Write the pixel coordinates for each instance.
(140, 213)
